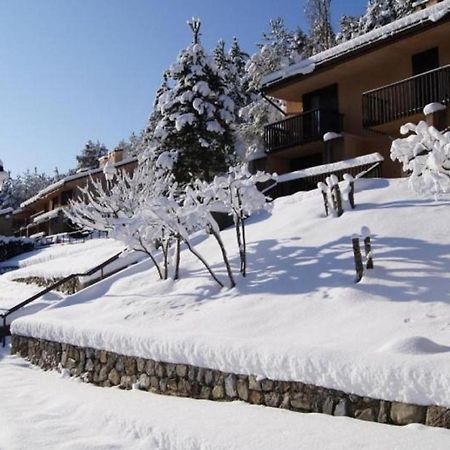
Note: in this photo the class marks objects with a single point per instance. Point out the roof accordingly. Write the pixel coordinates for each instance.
(427, 16)
(77, 176)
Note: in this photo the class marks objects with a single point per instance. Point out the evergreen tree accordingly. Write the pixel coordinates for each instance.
(349, 27)
(194, 114)
(90, 154)
(278, 48)
(321, 35)
(378, 14)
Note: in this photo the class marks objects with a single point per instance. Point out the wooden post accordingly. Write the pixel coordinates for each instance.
(323, 189)
(365, 232)
(351, 189)
(337, 200)
(358, 258)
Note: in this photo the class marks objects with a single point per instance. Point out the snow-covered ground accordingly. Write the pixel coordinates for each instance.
(299, 315)
(43, 410)
(54, 261)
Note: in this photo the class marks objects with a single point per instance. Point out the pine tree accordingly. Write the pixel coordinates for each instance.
(349, 27)
(90, 154)
(321, 35)
(194, 114)
(378, 14)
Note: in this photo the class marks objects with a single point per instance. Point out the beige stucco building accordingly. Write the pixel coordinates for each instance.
(363, 89)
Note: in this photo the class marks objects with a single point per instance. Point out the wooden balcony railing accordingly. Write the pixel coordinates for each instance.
(307, 127)
(406, 97)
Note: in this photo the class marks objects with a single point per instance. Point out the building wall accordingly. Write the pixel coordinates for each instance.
(372, 70)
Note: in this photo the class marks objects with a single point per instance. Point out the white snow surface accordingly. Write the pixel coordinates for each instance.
(431, 108)
(299, 314)
(42, 410)
(371, 158)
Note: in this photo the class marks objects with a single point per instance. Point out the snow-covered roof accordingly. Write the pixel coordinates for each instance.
(54, 186)
(5, 211)
(431, 14)
(47, 215)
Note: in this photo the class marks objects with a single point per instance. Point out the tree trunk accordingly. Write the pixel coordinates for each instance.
(244, 249)
(225, 258)
(150, 255)
(195, 253)
(177, 258)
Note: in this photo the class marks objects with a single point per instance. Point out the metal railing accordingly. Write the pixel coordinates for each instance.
(5, 328)
(306, 127)
(406, 97)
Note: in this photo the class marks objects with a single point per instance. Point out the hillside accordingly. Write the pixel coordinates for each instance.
(298, 315)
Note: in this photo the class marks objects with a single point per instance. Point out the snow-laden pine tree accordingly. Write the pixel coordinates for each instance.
(349, 27)
(92, 151)
(278, 48)
(378, 14)
(194, 114)
(321, 35)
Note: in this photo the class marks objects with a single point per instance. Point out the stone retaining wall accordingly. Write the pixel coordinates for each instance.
(69, 287)
(110, 369)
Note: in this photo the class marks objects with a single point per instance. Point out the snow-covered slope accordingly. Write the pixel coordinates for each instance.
(299, 315)
(55, 261)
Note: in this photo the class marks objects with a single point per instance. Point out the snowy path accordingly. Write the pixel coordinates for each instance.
(42, 410)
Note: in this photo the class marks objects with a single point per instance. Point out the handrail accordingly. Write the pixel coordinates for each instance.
(406, 79)
(53, 286)
(406, 97)
(299, 129)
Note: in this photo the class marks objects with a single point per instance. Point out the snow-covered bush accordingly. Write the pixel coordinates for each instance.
(126, 208)
(238, 195)
(425, 155)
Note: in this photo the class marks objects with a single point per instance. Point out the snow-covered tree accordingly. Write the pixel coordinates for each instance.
(321, 35)
(278, 48)
(92, 151)
(425, 155)
(194, 114)
(349, 27)
(237, 194)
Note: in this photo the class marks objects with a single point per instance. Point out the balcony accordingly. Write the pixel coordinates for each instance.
(406, 97)
(301, 129)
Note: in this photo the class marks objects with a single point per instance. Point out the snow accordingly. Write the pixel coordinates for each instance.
(298, 315)
(432, 108)
(44, 410)
(372, 158)
(433, 13)
(47, 215)
(330, 136)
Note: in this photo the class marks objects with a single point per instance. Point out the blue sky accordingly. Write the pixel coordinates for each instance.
(75, 70)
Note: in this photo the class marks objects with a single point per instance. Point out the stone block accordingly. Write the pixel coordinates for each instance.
(267, 385)
(384, 412)
(144, 381)
(205, 392)
(256, 397)
(230, 386)
(253, 383)
(367, 414)
(150, 367)
(301, 401)
(218, 392)
(209, 377)
(181, 370)
(242, 389)
(404, 413)
(273, 399)
(438, 416)
(328, 406)
(114, 377)
(342, 408)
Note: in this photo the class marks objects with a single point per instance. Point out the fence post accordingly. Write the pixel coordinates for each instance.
(324, 189)
(358, 258)
(365, 232)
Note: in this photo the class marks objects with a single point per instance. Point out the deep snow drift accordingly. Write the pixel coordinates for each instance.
(299, 315)
(42, 410)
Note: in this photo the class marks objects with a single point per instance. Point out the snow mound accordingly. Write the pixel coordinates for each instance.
(416, 345)
(431, 108)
